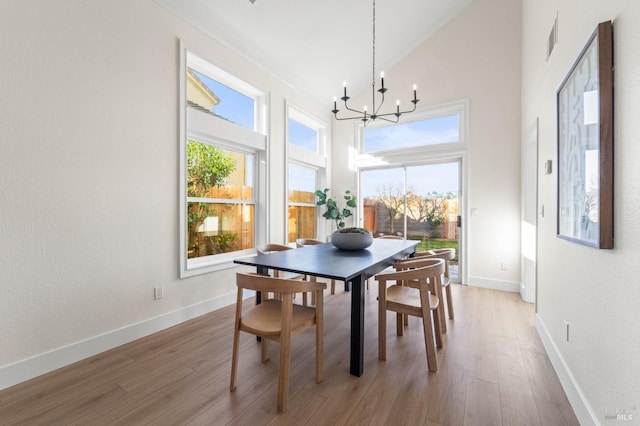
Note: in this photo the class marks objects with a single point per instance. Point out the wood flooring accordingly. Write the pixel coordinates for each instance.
(493, 371)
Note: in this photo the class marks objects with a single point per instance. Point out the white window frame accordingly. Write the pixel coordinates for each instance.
(306, 158)
(404, 155)
(209, 129)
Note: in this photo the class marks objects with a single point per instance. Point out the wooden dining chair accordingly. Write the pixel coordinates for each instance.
(278, 320)
(446, 254)
(304, 242)
(412, 294)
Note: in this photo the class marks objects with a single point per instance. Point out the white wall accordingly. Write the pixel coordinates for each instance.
(476, 56)
(89, 177)
(596, 291)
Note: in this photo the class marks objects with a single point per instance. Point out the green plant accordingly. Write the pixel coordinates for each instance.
(335, 213)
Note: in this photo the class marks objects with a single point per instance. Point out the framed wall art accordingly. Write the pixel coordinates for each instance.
(585, 145)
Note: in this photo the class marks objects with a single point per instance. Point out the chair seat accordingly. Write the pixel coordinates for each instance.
(264, 319)
(406, 300)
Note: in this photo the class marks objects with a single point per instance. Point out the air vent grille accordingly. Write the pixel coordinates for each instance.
(553, 38)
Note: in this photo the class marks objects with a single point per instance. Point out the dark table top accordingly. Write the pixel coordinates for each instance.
(324, 260)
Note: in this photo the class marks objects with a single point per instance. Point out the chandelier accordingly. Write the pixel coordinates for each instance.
(368, 117)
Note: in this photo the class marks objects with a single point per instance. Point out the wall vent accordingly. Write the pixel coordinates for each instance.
(553, 38)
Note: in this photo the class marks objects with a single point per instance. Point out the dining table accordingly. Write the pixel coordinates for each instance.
(353, 267)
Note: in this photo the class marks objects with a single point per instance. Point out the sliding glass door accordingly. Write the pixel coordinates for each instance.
(419, 202)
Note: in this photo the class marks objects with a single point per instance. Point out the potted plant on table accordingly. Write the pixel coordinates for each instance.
(345, 238)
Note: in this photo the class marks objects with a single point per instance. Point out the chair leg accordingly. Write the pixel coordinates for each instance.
(236, 341)
(382, 322)
(449, 301)
(443, 323)
(438, 328)
(428, 325)
(234, 358)
(319, 336)
(432, 361)
(399, 324)
(264, 350)
(285, 353)
(313, 293)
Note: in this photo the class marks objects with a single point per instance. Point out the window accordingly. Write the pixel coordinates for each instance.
(306, 138)
(414, 133)
(302, 209)
(223, 148)
(220, 100)
(220, 204)
(302, 136)
(438, 128)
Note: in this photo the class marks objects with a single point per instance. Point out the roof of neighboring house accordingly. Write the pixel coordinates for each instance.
(203, 87)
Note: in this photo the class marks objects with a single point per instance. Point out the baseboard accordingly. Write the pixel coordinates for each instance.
(38, 365)
(578, 401)
(495, 284)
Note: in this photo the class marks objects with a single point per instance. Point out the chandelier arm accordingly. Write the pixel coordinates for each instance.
(346, 118)
(353, 110)
(383, 117)
(398, 112)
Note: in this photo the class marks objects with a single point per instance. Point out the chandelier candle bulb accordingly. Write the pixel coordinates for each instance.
(382, 79)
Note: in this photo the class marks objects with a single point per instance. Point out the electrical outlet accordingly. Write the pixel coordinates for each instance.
(566, 324)
(504, 267)
(158, 292)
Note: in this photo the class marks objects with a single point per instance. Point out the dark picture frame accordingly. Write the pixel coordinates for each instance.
(585, 145)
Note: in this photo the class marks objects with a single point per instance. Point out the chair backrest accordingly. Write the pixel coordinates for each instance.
(445, 254)
(390, 237)
(264, 283)
(415, 272)
(442, 253)
(268, 248)
(418, 262)
(302, 242)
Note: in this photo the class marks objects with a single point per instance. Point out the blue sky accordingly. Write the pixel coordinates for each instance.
(302, 136)
(414, 133)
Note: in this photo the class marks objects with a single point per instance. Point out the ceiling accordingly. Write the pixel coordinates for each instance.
(315, 45)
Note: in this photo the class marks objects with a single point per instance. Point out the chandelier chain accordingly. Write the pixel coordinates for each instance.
(373, 72)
